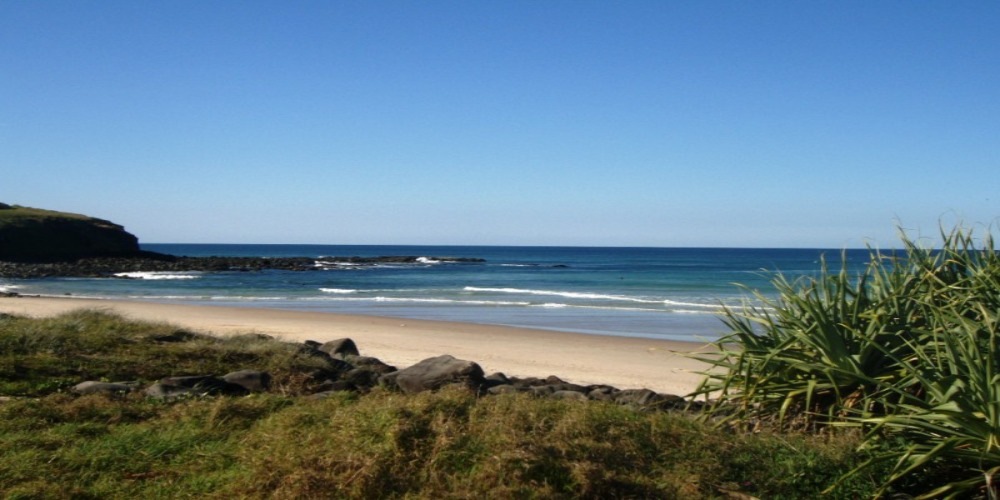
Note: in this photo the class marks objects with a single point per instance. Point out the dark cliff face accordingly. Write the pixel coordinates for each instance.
(34, 235)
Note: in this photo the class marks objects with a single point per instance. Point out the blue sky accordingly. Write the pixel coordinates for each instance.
(664, 123)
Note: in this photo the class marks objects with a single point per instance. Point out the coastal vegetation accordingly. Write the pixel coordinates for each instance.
(282, 443)
(906, 351)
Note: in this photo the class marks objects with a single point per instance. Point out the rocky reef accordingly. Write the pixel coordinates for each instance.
(104, 267)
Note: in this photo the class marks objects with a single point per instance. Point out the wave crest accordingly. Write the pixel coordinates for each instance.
(591, 296)
(157, 275)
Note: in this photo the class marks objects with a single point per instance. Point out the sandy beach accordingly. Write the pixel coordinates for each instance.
(626, 363)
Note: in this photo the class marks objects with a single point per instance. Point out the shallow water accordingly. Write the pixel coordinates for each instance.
(670, 293)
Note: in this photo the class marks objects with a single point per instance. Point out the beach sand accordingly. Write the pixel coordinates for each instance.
(626, 363)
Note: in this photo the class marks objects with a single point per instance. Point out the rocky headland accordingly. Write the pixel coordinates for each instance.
(36, 243)
(36, 235)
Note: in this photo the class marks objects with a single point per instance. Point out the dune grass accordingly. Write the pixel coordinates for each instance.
(39, 356)
(282, 444)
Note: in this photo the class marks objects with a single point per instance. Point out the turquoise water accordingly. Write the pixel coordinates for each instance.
(672, 293)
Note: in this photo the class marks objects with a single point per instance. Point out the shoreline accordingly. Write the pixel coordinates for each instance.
(623, 362)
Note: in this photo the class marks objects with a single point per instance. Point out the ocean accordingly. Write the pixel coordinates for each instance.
(666, 293)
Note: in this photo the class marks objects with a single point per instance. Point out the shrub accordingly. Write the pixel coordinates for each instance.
(907, 348)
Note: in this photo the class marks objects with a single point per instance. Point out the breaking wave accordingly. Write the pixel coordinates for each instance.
(157, 275)
(592, 296)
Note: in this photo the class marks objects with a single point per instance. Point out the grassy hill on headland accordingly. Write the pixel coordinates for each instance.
(36, 235)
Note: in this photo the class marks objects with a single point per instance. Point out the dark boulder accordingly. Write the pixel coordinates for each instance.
(572, 395)
(195, 385)
(343, 347)
(647, 399)
(502, 389)
(495, 379)
(368, 362)
(251, 380)
(542, 390)
(362, 378)
(331, 386)
(526, 382)
(434, 373)
(602, 393)
(167, 391)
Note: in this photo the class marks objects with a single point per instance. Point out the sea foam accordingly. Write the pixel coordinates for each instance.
(156, 275)
(570, 295)
(596, 296)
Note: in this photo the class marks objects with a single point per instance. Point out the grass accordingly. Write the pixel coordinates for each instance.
(40, 356)
(448, 444)
(18, 213)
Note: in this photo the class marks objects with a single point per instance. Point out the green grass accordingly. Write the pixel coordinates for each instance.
(41, 356)
(19, 213)
(448, 444)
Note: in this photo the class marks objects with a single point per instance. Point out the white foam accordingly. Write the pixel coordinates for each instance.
(223, 298)
(159, 297)
(245, 298)
(324, 264)
(689, 311)
(338, 290)
(156, 275)
(451, 301)
(416, 300)
(7, 288)
(596, 296)
(569, 295)
(714, 307)
(427, 260)
(551, 305)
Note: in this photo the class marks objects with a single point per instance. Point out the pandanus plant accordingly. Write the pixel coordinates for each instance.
(907, 348)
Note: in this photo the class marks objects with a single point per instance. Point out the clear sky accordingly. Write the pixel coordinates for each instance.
(660, 123)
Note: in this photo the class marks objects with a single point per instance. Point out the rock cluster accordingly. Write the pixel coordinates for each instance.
(357, 373)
